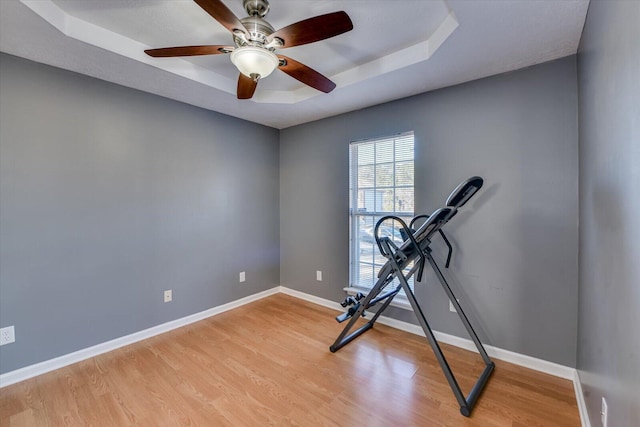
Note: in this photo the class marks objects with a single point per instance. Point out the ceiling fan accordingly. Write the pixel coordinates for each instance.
(256, 41)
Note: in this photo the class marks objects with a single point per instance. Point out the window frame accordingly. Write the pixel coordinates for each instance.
(355, 285)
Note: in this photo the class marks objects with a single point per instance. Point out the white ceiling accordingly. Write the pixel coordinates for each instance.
(397, 48)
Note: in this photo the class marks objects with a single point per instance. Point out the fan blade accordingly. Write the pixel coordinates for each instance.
(222, 14)
(166, 52)
(314, 29)
(306, 75)
(246, 87)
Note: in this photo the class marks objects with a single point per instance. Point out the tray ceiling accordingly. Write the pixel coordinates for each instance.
(396, 49)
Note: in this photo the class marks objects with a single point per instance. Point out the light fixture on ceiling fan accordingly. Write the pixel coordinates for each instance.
(255, 62)
(256, 41)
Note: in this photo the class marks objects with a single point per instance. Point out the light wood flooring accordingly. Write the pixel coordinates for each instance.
(268, 363)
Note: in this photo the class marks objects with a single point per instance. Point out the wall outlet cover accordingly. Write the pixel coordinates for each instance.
(243, 276)
(319, 276)
(168, 295)
(7, 335)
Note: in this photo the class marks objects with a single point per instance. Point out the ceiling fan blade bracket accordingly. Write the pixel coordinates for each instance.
(240, 38)
(275, 43)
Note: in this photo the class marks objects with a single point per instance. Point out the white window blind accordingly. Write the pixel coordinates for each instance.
(381, 175)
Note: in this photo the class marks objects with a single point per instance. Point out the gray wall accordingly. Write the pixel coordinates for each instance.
(108, 196)
(609, 307)
(516, 263)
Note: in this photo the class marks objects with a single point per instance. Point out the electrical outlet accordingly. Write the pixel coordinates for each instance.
(319, 276)
(604, 412)
(168, 295)
(7, 335)
(243, 276)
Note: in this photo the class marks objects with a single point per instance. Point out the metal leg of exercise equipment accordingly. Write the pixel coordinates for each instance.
(466, 404)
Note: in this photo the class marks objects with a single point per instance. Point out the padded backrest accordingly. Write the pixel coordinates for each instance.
(464, 191)
(436, 220)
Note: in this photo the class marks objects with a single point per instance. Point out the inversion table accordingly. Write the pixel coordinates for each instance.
(416, 248)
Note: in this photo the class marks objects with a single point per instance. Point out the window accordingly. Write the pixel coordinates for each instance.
(380, 183)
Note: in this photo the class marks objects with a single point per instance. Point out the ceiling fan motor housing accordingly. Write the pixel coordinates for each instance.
(257, 32)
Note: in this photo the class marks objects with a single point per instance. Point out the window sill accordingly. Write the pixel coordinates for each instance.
(399, 301)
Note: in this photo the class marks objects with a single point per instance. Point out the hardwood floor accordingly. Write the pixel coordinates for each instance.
(268, 363)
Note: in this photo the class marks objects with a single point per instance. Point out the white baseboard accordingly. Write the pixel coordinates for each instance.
(582, 405)
(495, 352)
(311, 298)
(86, 353)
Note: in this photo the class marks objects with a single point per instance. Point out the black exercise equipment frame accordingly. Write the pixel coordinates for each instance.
(417, 248)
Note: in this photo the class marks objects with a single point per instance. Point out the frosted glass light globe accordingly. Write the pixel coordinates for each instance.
(254, 60)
